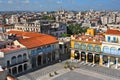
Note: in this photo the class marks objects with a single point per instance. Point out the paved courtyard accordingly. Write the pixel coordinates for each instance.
(75, 76)
(82, 72)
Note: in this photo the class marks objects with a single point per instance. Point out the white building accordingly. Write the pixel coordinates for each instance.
(15, 59)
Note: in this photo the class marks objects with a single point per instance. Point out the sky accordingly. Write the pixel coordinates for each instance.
(53, 5)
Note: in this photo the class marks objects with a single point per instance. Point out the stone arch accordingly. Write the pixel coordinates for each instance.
(76, 45)
(97, 48)
(90, 57)
(25, 67)
(24, 56)
(19, 58)
(14, 70)
(106, 49)
(113, 50)
(83, 46)
(76, 54)
(83, 56)
(13, 60)
(89, 47)
(20, 69)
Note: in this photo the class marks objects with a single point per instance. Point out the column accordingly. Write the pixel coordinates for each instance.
(22, 67)
(86, 57)
(101, 60)
(36, 58)
(42, 59)
(17, 70)
(108, 61)
(93, 59)
(116, 63)
(72, 54)
(51, 56)
(80, 55)
(63, 51)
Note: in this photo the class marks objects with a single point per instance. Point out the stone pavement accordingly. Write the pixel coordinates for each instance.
(81, 69)
(41, 72)
(101, 70)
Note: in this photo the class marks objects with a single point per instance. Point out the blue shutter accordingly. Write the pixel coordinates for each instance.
(108, 38)
(114, 39)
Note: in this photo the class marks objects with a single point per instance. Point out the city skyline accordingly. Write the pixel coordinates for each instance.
(53, 5)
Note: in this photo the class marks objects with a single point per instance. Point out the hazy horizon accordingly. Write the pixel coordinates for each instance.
(54, 5)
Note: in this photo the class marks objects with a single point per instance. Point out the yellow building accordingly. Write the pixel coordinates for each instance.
(87, 47)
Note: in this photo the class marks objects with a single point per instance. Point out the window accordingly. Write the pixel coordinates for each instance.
(24, 56)
(108, 38)
(114, 39)
(8, 63)
(83, 46)
(76, 45)
(97, 48)
(19, 58)
(106, 49)
(113, 50)
(90, 47)
(13, 60)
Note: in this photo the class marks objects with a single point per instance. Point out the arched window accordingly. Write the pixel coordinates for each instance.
(97, 48)
(90, 47)
(83, 46)
(13, 60)
(76, 45)
(106, 49)
(113, 50)
(24, 56)
(19, 58)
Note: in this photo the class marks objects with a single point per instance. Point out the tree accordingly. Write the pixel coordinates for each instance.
(76, 29)
(65, 35)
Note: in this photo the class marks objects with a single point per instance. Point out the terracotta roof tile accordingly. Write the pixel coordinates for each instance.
(35, 39)
(115, 32)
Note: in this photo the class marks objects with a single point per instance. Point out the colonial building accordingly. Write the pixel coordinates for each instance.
(42, 49)
(15, 59)
(111, 48)
(87, 47)
(43, 26)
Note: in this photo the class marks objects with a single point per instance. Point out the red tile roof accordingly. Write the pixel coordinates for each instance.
(10, 48)
(35, 39)
(114, 32)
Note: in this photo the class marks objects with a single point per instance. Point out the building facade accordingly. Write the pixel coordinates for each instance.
(111, 48)
(15, 59)
(42, 49)
(87, 47)
(100, 49)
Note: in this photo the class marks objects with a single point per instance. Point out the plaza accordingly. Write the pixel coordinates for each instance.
(82, 72)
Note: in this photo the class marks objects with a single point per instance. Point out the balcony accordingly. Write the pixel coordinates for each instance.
(10, 65)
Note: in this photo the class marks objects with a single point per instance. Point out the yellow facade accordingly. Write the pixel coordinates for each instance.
(72, 44)
(91, 32)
